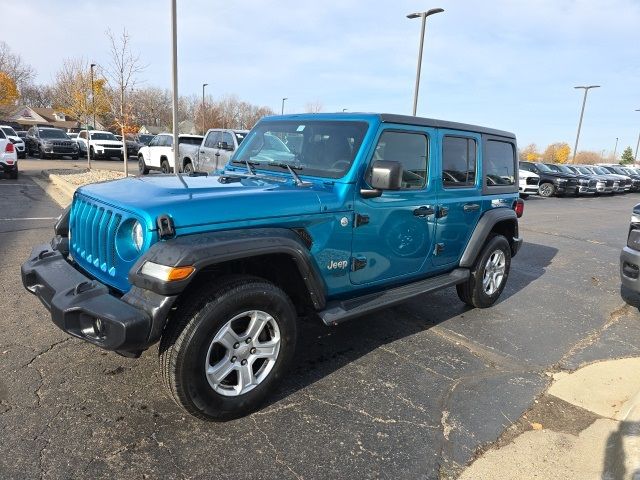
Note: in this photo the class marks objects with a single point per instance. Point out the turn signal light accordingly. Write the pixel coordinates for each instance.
(165, 273)
(518, 207)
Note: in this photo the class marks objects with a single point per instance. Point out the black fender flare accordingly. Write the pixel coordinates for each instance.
(482, 231)
(203, 250)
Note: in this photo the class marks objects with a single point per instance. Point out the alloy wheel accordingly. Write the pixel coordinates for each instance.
(494, 271)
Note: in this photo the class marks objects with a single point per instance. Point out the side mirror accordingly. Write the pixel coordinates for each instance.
(224, 146)
(385, 175)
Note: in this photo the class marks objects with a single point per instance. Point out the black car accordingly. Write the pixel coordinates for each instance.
(619, 170)
(552, 183)
(49, 142)
(144, 138)
(586, 184)
(604, 184)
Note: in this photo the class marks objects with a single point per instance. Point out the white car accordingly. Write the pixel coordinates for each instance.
(158, 155)
(528, 183)
(11, 134)
(8, 156)
(102, 144)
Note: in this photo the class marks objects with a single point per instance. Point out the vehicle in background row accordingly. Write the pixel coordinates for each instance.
(586, 184)
(603, 185)
(133, 147)
(631, 180)
(12, 135)
(8, 156)
(143, 138)
(528, 183)
(630, 262)
(372, 210)
(22, 134)
(218, 146)
(158, 155)
(49, 142)
(621, 183)
(101, 144)
(551, 183)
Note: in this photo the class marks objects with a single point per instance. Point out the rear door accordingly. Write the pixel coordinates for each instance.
(459, 194)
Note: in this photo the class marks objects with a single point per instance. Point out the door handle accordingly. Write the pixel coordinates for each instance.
(471, 207)
(201, 151)
(217, 154)
(423, 211)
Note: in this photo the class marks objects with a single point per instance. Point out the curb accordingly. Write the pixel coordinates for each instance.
(66, 188)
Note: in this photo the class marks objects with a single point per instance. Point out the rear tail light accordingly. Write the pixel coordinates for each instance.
(518, 207)
(9, 148)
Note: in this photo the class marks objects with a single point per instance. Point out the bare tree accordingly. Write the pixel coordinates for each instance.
(14, 66)
(313, 107)
(37, 96)
(121, 76)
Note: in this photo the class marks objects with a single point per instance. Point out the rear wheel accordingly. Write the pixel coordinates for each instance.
(226, 349)
(547, 189)
(142, 168)
(188, 168)
(488, 275)
(164, 166)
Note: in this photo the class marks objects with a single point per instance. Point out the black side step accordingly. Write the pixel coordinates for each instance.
(337, 312)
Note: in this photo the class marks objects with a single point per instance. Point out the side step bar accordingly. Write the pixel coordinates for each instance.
(339, 311)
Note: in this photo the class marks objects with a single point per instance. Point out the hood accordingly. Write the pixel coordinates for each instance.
(15, 139)
(527, 174)
(208, 201)
(558, 175)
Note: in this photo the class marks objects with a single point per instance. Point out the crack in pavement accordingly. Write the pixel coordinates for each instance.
(45, 351)
(47, 443)
(277, 458)
(570, 237)
(411, 361)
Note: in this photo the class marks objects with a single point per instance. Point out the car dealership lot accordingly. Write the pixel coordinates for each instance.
(410, 391)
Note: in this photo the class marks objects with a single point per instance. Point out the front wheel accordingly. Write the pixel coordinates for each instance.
(225, 351)
(547, 190)
(488, 275)
(164, 166)
(188, 168)
(142, 168)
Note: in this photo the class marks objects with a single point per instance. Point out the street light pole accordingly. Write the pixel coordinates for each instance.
(93, 97)
(282, 111)
(174, 85)
(635, 157)
(423, 16)
(203, 85)
(615, 150)
(584, 102)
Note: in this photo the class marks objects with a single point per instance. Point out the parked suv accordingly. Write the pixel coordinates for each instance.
(12, 136)
(632, 180)
(630, 262)
(586, 184)
(8, 156)
(49, 142)
(101, 144)
(552, 183)
(158, 155)
(362, 211)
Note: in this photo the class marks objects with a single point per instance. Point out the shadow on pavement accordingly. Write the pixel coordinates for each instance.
(614, 461)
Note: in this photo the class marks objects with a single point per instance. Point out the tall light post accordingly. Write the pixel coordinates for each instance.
(93, 96)
(424, 16)
(615, 150)
(584, 102)
(174, 85)
(635, 157)
(282, 110)
(203, 85)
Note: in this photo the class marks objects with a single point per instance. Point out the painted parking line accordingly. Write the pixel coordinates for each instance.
(17, 184)
(27, 218)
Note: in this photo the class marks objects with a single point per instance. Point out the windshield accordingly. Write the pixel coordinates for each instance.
(145, 139)
(600, 171)
(584, 170)
(53, 133)
(619, 171)
(543, 168)
(565, 169)
(103, 136)
(317, 147)
(9, 131)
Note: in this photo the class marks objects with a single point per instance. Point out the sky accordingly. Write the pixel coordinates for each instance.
(507, 64)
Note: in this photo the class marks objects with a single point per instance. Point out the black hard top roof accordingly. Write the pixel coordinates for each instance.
(432, 122)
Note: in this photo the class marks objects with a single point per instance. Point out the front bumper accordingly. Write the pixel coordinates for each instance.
(563, 188)
(87, 309)
(109, 152)
(630, 276)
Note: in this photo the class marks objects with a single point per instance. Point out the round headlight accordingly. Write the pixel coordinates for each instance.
(137, 235)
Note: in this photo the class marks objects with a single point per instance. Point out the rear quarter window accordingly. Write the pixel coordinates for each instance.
(499, 166)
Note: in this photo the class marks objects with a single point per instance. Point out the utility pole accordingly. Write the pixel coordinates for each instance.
(635, 158)
(283, 100)
(423, 16)
(174, 85)
(615, 150)
(93, 97)
(203, 112)
(584, 101)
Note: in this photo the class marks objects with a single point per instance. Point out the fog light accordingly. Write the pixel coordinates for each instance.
(98, 327)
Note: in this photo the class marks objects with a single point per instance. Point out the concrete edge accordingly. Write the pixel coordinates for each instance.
(63, 185)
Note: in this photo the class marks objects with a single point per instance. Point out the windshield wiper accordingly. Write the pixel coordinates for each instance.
(296, 178)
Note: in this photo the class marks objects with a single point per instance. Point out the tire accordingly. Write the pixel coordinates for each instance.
(164, 166)
(41, 154)
(92, 153)
(524, 196)
(188, 347)
(475, 292)
(74, 157)
(547, 189)
(188, 168)
(142, 168)
(13, 175)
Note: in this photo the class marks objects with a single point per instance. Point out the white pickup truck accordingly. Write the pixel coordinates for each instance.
(197, 153)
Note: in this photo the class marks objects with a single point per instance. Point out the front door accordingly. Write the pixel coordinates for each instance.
(207, 158)
(393, 233)
(459, 194)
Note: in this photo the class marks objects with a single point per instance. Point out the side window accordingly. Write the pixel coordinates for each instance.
(153, 142)
(499, 163)
(411, 149)
(227, 137)
(212, 140)
(458, 162)
(167, 141)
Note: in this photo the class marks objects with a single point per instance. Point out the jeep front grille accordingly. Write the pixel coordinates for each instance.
(93, 232)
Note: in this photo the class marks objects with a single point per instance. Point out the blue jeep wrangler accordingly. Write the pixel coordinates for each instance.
(331, 215)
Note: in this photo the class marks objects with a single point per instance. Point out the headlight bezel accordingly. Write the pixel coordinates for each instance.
(127, 247)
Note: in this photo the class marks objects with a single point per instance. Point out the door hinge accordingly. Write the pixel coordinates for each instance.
(360, 220)
(439, 249)
(358, 263)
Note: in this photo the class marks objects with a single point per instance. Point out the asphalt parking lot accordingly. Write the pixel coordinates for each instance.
(414, 391)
